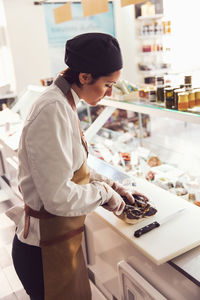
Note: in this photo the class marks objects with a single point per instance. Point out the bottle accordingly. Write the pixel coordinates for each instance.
(188, 82)
(160, 91)
(169, 99)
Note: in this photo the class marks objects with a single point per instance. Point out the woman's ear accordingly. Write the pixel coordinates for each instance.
(85, 78)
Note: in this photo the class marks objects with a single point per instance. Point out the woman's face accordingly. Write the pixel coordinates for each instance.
(92, 93)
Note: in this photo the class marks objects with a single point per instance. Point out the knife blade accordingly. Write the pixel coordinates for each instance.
(156, 224)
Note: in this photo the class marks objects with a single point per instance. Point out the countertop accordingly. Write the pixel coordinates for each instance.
(189, 262)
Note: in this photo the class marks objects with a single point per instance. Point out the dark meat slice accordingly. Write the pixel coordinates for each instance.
(140, 209)
(132, 209)
(141, 203)
(150, 212)
(130, 215)
(140, 197)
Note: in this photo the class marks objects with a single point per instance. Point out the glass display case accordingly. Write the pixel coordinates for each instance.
(140, 138)
(163, 150)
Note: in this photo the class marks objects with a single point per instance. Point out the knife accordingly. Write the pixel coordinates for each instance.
(155, 224)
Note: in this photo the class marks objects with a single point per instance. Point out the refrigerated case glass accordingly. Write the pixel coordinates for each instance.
(162, 148)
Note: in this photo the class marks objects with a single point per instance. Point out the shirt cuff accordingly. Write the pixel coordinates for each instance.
(105, 190)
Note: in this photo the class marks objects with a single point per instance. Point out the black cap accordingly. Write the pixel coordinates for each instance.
(97, 53)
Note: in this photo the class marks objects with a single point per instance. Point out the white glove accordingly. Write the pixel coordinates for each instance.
(115, 202)
(123, 190)
(126, 191)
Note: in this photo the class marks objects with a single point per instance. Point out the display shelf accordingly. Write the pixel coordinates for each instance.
(151, 109)
(152, 36)
(154, 53)
(154, 17)
(155, 72)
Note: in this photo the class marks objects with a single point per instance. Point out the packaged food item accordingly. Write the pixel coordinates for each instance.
(150, 176)
(148, 9)
(176, 92)
(169, 99)
(160, 81)
(191, 98)
(168, 26)
(197, 97)
(160, 94)
(46, 81)
(152, 96)
(154, 161)
(183, 101)
(191, 197)
(188, 82)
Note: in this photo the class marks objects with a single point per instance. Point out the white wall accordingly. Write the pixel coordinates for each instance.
(185, 19)
(28, 41)
(29, 45)
(126, 35)
(6, 63)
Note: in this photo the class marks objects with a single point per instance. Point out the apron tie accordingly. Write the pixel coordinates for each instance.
(43, 214)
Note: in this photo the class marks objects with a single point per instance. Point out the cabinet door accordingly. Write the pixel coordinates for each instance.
(134, 287)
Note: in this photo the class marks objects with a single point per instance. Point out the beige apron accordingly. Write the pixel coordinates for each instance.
(64, 269)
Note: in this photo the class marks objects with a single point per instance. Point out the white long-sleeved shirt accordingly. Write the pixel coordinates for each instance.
(50, 152)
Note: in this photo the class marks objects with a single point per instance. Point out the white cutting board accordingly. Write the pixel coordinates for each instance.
(171, 239)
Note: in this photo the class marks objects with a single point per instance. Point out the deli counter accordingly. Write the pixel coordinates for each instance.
(162, 264)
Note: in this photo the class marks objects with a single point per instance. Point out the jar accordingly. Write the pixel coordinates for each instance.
(197, 97)
(176, 92)
(188, 79)
(152, 95)
(160, 81)
(183, 101)
(160, 94)
(188, 82)
(169, 99)
(191, 99)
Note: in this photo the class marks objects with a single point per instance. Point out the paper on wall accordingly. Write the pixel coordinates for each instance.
(63, 13)
(129, 2)
(91, 7)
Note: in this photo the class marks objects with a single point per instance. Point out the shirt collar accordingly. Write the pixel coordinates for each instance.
(75, 96)
(64, 86)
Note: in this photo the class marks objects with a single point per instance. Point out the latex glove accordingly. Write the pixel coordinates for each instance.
(127, 191)
(115, 202)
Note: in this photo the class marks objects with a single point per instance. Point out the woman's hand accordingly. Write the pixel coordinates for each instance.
(127, 191)
(115, 202)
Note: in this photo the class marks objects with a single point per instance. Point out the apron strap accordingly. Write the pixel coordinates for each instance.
(62, 237)
(73, 106)
(43, 214)
(29, 212)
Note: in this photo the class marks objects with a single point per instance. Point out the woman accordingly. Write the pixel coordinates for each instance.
(58, 188)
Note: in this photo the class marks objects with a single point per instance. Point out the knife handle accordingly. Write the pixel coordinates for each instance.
(146, 229)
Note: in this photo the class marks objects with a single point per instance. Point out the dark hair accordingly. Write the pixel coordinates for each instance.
(73, 76)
